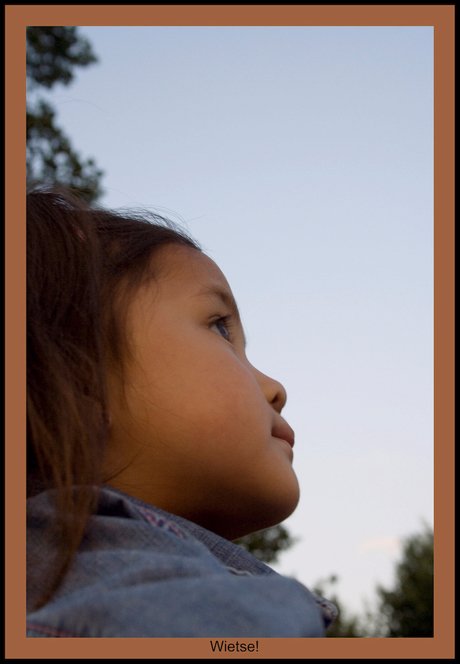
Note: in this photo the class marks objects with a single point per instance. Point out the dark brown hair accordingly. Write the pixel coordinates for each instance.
(78, 258)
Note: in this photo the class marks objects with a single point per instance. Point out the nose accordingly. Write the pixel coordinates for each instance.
(273, 391)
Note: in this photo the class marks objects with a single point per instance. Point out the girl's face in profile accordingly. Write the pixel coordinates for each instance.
(196, 428)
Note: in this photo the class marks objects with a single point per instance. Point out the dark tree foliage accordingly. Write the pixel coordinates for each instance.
(409, 606)
(52, 54)
(406, 611)
(266, 545)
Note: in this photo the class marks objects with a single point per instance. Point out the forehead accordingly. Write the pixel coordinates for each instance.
(186, 273)
(188, 269)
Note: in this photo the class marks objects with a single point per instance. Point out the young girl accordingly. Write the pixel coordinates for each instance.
(152, 441)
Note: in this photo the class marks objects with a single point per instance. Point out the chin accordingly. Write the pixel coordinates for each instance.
(259, 518)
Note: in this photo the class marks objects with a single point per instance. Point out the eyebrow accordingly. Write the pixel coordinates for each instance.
(226, 298)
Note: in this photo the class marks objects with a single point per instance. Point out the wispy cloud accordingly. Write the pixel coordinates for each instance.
(387, 544)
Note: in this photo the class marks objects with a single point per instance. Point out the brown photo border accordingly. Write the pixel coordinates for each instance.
(17, 17)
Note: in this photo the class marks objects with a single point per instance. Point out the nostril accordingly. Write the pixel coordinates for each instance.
(273, 390)
(279, 399)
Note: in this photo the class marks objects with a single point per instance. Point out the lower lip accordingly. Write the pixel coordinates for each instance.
(286, 443)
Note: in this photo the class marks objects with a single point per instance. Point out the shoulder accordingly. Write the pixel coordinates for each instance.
(143, 573)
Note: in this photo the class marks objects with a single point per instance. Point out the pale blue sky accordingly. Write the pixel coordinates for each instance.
(302, 160)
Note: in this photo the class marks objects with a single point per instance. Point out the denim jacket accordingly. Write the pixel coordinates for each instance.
(142, 572)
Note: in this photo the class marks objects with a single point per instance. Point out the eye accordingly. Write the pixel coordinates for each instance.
(221, 325)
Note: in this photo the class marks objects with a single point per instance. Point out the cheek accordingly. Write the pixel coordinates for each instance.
(203, 392)
(230, 408)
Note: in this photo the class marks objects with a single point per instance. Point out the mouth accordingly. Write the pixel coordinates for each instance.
(284, 431)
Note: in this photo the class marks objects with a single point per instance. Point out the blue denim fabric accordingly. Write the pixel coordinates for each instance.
(142, 572)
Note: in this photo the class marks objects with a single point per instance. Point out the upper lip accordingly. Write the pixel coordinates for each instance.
(284, 431)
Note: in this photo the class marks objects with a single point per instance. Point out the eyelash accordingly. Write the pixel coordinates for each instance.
(226, 322)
